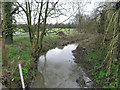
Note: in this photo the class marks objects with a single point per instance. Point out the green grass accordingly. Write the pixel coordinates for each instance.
(53, 31)
(95, 56)
(23, 36)
(18, 52)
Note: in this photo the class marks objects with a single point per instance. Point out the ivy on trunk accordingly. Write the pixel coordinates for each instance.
(7, 27)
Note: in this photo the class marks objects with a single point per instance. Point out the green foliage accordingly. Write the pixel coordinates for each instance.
(102, 75)
(94, 73)
(33, 72)
(98, 81)
(107, 59)
(112, 85)
(25, 71)
(19, 52)
(19, 30)
(105, 87)
(24, 27)
(96, 55)
(111, 59)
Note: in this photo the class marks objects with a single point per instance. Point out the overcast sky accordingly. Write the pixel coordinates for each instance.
(87, 7)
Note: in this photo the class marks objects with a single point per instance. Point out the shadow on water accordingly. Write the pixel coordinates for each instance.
(57, 69)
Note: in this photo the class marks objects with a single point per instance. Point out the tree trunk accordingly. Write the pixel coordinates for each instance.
(9, 39)
(36, 38)
(4, 54)
(43, 32)
(8, 23)
(2, 46)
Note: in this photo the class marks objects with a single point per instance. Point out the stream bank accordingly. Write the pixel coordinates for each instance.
(82, 78)
(79, 55)
(20, 51)
(83, 59)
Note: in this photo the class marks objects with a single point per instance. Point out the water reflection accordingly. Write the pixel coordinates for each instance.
(58, 68)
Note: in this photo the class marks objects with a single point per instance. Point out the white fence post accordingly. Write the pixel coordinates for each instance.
(21, 76)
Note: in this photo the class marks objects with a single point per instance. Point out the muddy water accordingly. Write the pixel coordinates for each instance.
(57, 69)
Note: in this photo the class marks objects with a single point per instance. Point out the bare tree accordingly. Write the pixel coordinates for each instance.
(42, 11)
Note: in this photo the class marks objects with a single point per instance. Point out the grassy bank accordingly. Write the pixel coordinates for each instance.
(95, 57)
(20, 51)
(91, 60)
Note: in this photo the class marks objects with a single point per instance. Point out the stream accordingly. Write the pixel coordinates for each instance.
(57, 69)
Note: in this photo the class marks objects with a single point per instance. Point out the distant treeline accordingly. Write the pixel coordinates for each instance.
(61, 25)
(24, 26)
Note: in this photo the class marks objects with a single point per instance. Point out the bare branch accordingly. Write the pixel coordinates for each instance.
(21, 7)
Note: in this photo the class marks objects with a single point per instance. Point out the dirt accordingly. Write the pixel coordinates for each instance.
(79, 55)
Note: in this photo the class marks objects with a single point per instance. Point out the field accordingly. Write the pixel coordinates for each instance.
(53, 31)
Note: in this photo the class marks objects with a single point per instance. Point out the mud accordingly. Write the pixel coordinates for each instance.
(86, 66)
